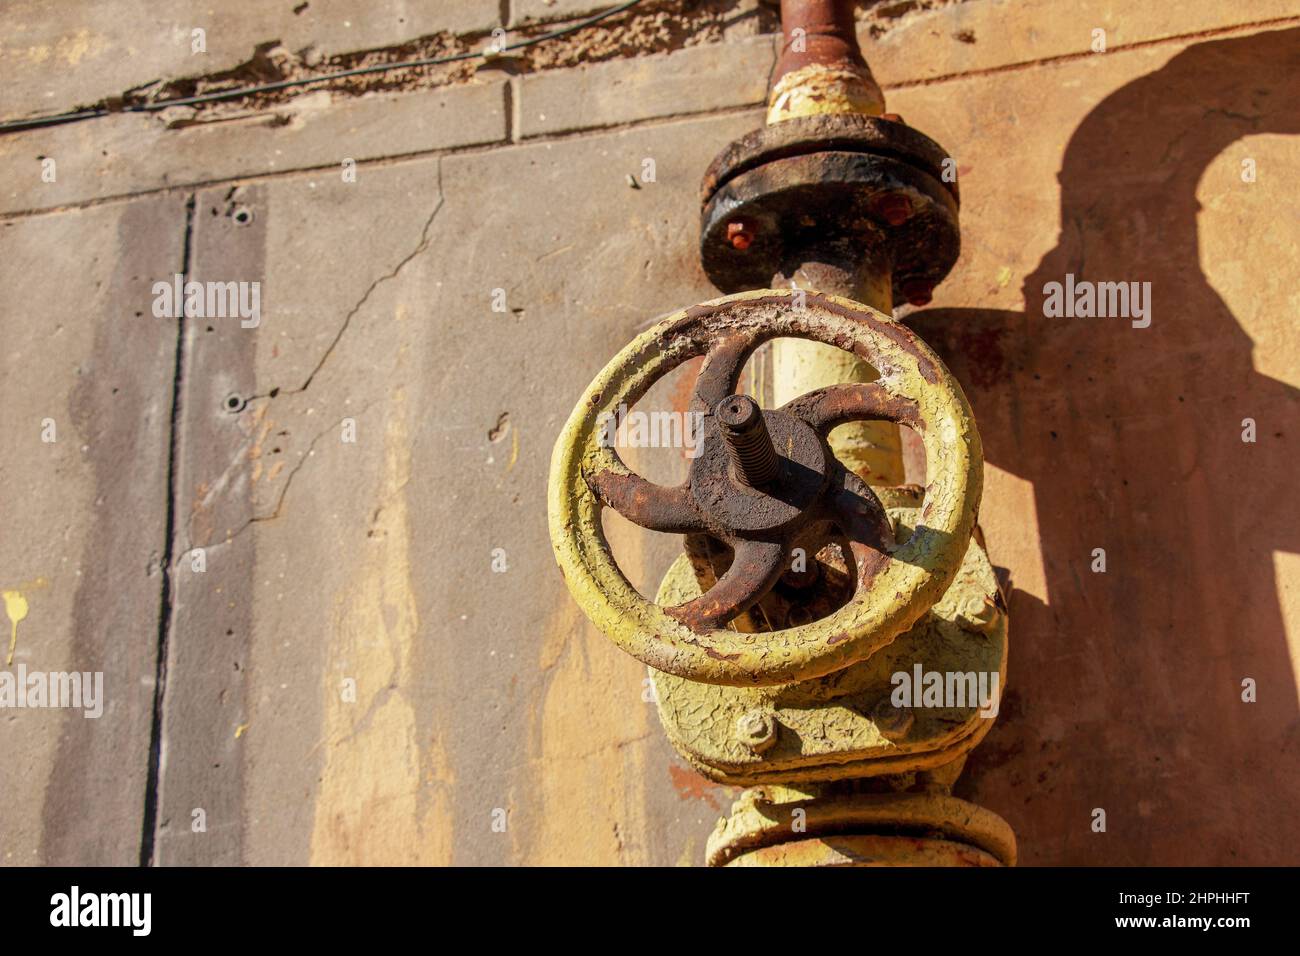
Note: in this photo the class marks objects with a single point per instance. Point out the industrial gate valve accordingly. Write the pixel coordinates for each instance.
(764, 481)
(772, 671)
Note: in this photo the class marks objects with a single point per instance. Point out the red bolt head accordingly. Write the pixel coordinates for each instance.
(894, 208)
(739, 235)
(917, 291)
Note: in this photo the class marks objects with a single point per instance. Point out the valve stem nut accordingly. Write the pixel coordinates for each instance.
(756, 729)
(978, 613)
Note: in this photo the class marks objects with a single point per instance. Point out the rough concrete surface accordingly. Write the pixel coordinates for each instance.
(87, 397)
(84, 51)
(349, 680)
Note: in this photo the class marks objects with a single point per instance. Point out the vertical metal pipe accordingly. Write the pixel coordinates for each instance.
(821, 70)
(871, 449)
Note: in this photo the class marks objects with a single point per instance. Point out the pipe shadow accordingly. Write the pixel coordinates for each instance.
(1125, 687)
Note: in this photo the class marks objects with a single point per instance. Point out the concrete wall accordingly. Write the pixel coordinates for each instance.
(347, 680)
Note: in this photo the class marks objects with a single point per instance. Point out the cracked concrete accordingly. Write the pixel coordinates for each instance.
(304, 49)
(365, 296)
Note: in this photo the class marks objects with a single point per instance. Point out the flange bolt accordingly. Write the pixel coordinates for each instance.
(894, 208)
(756, 729)
(917, 291)
(739, 235)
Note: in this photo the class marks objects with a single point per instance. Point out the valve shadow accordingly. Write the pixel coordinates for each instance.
(1126, 687)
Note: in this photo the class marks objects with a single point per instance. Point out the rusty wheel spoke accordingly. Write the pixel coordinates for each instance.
(852, 505)
(652, 506)
(721, 372)
(862, 518)
(760, 513)
(753, 572)
(833, 405)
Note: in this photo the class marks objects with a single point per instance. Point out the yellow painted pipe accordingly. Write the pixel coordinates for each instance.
(820, 72)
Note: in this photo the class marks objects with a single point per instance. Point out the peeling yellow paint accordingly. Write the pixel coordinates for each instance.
(382, 797)
(589, 743)
(16, 610)
(819, 90)
(919, 570)
(514, 448)
(931, 826)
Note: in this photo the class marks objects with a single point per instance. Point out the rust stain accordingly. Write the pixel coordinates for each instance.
(690, 785)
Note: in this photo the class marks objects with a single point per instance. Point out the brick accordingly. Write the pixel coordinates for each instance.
(524, 11)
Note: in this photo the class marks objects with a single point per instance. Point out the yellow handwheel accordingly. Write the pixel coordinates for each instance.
(760, 480)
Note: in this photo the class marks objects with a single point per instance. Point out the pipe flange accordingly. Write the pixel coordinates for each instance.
(846, 186)
(834, 132)
(894, 828)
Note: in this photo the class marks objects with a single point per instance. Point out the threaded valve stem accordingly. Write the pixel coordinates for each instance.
(753, 458)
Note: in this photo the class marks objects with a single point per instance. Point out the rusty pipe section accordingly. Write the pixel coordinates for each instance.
(821, 69)
(872, 450)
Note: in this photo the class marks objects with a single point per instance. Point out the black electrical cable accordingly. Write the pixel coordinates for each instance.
(60, 118)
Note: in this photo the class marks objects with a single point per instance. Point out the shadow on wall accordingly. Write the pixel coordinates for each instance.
(1125, 690)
